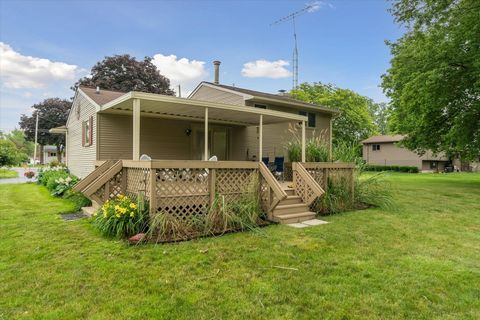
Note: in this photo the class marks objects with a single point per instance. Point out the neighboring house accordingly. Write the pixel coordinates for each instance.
(242, 125)
(50, 154)
(385, 150)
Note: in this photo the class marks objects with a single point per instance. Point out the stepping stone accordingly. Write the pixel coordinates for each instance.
(73, 216)
(314, 222)
(297, 225)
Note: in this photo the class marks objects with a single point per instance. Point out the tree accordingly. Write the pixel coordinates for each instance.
(380, 113)
(355, 121)
(52, 113)
(125, 73)
(22, 144)
(9, 155)
(434, 77)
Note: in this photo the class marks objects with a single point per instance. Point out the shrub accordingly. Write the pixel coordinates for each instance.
(44, 174)
(122, 217)
(62, 184)
(378, 168)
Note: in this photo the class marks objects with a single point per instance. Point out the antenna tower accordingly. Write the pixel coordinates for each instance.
(291, 17)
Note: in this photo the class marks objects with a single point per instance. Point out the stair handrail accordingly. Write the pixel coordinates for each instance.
(313, 185)
(85, 182)
(277, 189)
(103, 178)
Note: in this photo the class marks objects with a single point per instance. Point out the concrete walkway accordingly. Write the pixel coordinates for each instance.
(21, 178)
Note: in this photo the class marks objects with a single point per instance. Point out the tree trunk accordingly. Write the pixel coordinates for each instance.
(41, 154)
(59, 154)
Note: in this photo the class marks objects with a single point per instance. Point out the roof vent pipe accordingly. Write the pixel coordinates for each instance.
(282, 92)
(216, 65)
(97, 91)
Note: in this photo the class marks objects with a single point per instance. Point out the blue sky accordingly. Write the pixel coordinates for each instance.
(47, 45)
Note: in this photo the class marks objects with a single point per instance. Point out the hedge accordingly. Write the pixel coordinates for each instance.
(409, 169)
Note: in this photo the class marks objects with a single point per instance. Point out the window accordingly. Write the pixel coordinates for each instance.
(260, 106)
(312, 118)
(433, 165)
(52, 154)
(375, 147)
(87, 132)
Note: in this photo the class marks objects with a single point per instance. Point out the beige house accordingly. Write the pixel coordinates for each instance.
(107, 133)
(242, 125)
(385, 150)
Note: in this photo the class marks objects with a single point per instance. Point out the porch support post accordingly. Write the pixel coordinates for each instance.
(206, 155)
(331, 139)
(260, 138)
(303, 141)
(136, 129)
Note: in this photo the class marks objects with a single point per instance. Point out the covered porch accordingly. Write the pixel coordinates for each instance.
(170, 128)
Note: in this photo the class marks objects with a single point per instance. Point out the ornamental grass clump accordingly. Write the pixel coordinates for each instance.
(121, 217)
(316, 148)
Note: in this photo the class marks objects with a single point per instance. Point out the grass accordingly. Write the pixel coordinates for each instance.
(419, 261)
(7, 173)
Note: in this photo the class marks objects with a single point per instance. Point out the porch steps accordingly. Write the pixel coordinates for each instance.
(292, 209)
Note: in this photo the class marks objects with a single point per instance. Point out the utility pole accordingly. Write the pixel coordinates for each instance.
(36, 135)
(179, 91)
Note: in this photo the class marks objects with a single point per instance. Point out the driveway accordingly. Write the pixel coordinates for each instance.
(21, 178)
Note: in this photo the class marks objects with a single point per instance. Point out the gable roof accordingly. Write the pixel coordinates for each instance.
(103, 97)
(259, 96)
(384, 138)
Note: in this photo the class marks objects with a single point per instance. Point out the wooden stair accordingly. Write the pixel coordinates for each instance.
(292, 209)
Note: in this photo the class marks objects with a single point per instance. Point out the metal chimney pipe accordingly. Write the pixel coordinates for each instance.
(216, 65)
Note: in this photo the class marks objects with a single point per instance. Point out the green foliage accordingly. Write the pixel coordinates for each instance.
(9, 155)
(58, 180)
(408, 169)
(122, 217)
(77, 198)
(354, 123)
(24, 147)
(375, 191)
(434, 80)
(124, 73)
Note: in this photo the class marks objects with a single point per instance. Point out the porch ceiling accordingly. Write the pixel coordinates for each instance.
(156, 105)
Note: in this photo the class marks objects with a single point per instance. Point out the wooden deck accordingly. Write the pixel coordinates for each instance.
(186, 188)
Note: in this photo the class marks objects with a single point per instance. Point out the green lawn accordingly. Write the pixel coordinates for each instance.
(6, 173)
(421, 261)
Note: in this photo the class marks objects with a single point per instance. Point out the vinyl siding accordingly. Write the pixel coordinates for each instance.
(159, 138)
(211, 94)
(391, 154)
(81, 160)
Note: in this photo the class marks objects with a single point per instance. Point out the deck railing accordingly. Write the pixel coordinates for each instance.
(305, 186)
(183, 188)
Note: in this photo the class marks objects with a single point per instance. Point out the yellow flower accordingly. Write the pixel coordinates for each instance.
(132, 214)
(133, 205)
(117, 215)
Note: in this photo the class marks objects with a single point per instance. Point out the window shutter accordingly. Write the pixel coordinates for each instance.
(91, 131)
(83, 134)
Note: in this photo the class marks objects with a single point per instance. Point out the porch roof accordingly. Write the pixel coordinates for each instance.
(162, 106)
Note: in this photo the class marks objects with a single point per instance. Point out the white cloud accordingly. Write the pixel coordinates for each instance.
(184, 72)
(266, 69)
(18, 71)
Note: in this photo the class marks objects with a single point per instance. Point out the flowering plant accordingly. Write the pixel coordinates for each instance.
(29, 174)
(121, 217)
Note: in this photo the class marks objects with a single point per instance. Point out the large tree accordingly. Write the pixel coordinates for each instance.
(381, 115)
(125, 73)
(52, 113)
(355, 121)
(434, 78)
